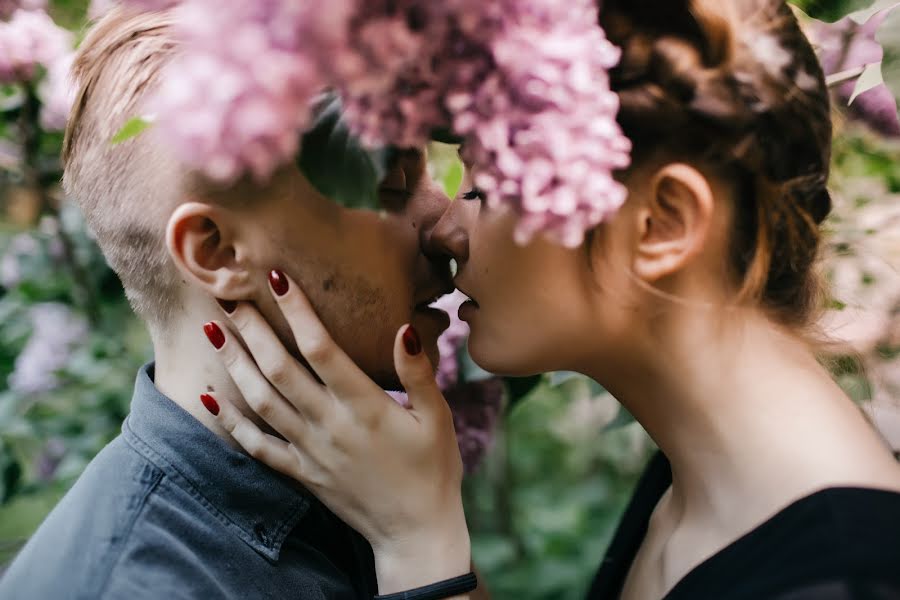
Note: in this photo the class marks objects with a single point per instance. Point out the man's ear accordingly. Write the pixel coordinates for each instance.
(675, 222)
(202, 244)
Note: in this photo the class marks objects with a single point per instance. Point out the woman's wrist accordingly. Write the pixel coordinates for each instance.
(422, 560)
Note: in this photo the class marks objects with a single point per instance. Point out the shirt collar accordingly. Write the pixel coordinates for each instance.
(258, 504)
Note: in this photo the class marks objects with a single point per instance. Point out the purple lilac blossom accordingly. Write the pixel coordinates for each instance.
(876, 106)
(540, 127)
(237, 98)
(476, 408)
(8, 7)
(56, 330)
(29, 39)
(523, 81)
(98, 8)
(21, 246)
(48, 461)
(57, 93)
(451, 340)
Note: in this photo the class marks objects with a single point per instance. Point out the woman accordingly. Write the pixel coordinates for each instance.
(694, 306)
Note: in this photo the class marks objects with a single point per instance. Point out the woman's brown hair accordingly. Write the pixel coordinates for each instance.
(736, 84)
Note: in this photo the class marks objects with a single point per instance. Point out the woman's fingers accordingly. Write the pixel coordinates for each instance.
(264, 447)
(331, 364)
(416, 373)
(256, 390)
(282, 370)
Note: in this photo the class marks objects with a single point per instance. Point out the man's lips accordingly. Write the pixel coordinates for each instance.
(434, 295)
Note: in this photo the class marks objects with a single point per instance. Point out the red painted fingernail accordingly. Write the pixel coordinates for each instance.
(278, 282)
(228, 306)
(215, 335)
(210, 403)
(411, 341)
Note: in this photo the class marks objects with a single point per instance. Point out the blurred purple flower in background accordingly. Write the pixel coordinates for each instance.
(22, 245)
(48, 460)
(451, 340)
(57, 93)
(8, 7)
(29, 39)
(476, 405)
(845, 45)
(56, 330)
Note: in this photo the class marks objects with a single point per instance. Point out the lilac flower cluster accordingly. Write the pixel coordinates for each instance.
(56, 329)
(236, 99)
(540, 125)
(523, 82)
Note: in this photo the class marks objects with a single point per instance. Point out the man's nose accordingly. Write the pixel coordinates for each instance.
(447, 237)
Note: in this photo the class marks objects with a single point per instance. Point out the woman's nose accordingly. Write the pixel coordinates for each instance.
(448, 237)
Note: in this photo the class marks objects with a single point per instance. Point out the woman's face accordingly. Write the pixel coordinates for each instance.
(534, 308)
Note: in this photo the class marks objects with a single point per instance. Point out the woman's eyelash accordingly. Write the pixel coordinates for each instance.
(473, 194)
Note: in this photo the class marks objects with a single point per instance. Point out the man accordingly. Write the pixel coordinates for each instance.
(171, 509)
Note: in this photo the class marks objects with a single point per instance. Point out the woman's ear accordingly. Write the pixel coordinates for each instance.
(202, 244)
(675, 222)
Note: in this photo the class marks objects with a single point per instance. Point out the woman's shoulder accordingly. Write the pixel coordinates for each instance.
(836, 540)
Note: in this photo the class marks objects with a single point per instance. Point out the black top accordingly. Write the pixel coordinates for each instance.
(836, 544)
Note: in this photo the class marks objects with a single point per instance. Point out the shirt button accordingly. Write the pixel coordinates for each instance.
(260, 530)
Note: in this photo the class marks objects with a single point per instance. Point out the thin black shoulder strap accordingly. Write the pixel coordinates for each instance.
(654, 482)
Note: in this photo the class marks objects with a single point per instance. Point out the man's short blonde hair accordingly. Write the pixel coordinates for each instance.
(126, 190)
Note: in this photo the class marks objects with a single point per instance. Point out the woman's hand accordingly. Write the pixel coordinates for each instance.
(392, 473)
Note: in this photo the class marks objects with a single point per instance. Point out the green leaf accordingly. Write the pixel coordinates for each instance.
(453, 179)
(133, 128)
(888, 36)
(336, 163)
(832, 10)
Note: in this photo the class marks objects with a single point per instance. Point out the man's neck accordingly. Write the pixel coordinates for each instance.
(187, 366)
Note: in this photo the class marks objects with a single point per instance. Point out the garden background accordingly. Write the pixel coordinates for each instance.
(543, 504)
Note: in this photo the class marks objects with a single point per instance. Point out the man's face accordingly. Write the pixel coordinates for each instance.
(363, 271)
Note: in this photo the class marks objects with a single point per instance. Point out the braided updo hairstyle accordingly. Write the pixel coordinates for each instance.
(735, 84)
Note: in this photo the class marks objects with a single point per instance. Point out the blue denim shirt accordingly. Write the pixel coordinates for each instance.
(168, 510)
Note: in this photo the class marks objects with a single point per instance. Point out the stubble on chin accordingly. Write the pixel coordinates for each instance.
(358, 315)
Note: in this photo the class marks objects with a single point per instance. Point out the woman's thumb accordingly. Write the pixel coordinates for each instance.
(415, 371)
